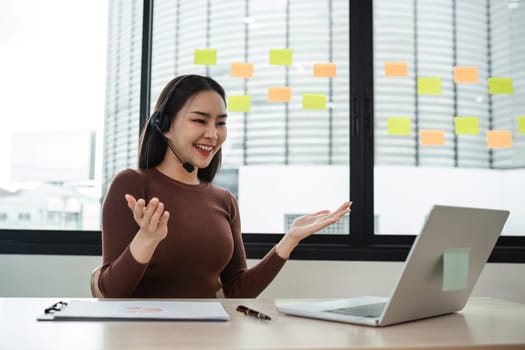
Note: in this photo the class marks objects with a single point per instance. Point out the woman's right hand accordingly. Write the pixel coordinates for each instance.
(152, 219)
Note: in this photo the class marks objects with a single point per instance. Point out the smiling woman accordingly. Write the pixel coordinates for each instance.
(202, 116)
(167, 230)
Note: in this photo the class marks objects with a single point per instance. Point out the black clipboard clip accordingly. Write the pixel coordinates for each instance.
(55, 307)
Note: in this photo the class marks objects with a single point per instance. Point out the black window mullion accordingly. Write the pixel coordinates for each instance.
(361, 139)
(145, 69)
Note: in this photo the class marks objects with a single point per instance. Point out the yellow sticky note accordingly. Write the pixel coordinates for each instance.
(465, 75)
(500, 86)
(281, 57)
(239, 103)
(466, 125)
(205, 56)
(499, 139)
(398, 126)
(455, 269)
(279, 94)
(314, 101)
(432, 137)
(324, 70)
(429, 86)
(521, 125)
(241, 70)
(396, 69)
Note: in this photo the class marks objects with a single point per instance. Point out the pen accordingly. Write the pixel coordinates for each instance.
(251, 312)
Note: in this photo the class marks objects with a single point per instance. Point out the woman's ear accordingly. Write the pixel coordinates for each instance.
(167, 133)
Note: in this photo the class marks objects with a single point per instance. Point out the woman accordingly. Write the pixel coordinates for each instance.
(167, 231)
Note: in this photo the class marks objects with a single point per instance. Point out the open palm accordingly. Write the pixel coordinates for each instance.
(306, 225)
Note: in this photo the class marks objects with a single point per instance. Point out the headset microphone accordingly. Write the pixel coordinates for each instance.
(155, 123)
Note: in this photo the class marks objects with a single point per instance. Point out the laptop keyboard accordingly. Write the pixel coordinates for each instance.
(370, 310)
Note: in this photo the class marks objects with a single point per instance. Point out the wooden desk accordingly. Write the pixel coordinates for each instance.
(484, 323)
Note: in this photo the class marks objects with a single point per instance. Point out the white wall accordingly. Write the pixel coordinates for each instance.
(68, 276)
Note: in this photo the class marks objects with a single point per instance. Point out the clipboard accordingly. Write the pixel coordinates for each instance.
(134, 310)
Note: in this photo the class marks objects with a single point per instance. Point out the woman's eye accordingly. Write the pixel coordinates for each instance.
(221, 124)
(202, 121)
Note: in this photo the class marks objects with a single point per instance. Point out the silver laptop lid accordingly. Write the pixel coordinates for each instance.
(444, 263)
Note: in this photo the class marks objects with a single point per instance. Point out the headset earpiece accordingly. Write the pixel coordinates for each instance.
(160, 121)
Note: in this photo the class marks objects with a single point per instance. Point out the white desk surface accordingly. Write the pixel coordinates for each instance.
(484, 323)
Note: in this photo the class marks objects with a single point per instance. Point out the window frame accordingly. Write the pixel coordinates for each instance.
(361, 245)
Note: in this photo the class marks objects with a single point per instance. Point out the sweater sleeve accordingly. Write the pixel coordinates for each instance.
(239, 281)
(120, 273)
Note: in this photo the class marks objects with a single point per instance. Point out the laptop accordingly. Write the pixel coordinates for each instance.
(441, 269)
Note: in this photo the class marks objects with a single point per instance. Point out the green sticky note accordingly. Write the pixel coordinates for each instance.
(455, 268)
(429, 86)
(239, 103)
(466, 125)
(521, 125)
(500, 86)
(281, 57)
(205, 56)
(314, 101)
(398, 126)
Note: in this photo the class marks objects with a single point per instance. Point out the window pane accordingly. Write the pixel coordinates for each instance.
(277, 150)
(52, 87)
(122, 104)
(426, 151)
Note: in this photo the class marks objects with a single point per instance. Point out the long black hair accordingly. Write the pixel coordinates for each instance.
(152, 147)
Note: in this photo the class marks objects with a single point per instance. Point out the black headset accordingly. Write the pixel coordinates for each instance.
(160, 120)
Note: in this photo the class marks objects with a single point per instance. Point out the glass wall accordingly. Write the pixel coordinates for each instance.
(449, 109)
(446, 77)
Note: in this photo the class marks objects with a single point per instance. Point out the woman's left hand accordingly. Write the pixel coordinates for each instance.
(306, 225)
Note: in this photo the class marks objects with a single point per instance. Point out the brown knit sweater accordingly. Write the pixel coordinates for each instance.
(203, 247)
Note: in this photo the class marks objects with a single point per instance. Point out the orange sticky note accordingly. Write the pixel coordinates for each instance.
(324, 70)
(396, 69)
(465, 75)
(279, 94)
(432, 137)
(499, 138)
(241, 70)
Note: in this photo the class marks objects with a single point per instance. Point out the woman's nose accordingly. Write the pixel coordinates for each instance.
(211, 132)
